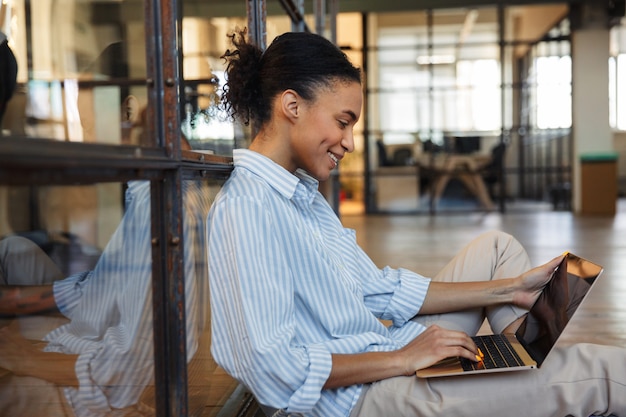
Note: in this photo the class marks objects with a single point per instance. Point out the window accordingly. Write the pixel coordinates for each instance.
(478, 104)
(445, 80)
(554, 92)
(617, 78)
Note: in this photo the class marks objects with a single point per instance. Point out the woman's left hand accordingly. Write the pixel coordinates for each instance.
(531, 283)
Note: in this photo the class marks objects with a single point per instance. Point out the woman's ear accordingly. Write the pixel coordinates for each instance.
(290, 103)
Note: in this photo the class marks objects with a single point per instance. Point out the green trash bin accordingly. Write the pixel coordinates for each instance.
(599, 183)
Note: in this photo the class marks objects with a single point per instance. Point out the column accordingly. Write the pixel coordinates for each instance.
(593, 139)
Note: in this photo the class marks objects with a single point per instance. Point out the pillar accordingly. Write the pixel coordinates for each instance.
(592, 134)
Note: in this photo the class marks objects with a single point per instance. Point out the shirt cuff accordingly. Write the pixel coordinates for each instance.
(409, 297)
(320, 363)
(67, 292)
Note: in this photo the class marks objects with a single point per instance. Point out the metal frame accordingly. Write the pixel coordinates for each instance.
(52, 162)
(295, 10)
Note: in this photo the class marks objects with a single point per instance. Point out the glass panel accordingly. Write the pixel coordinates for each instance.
(205, 39)
(81, 70)
(458, 59)
(477, 69)
(204, 123)
(94, 244)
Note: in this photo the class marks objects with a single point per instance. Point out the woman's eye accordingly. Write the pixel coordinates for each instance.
(342, 124)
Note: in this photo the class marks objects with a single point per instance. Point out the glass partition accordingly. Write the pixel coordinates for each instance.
(93, 179)
(470, 80)
(205, 39)
(83, 256)
(81, 70)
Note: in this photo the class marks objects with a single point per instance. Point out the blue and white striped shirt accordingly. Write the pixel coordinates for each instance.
(290, 286)
(110, 308)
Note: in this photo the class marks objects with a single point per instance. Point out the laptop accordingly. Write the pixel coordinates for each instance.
(539, 331)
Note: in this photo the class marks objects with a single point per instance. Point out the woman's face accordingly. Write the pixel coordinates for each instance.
(324, 132)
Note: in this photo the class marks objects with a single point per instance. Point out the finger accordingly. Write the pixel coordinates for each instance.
(460, 339)
(451, 343)
(461, 351)
(555, 262)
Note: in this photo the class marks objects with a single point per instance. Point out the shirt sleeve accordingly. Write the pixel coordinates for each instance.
(67, 292)
(397, 294)
(110, 326)
(111, 310)
(253, 295)
(390, 294)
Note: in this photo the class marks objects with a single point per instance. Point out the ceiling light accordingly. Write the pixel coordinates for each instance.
(435, 59)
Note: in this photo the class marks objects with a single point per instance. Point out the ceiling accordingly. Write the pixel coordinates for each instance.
(238, 8)
(533, 17)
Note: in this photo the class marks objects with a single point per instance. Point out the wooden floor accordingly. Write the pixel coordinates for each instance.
(425, 243)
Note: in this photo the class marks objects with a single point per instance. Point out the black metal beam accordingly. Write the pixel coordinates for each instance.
(229, 8)
(45, 161)
(257, 30)
(170, 353)
(294, 12)
(170, 348)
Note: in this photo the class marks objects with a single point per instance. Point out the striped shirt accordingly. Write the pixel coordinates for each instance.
(290, 286)
(110, 308)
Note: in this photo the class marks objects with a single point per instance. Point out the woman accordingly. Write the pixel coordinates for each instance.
(296, 303)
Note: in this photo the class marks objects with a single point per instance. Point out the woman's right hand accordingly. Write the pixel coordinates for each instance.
(435, 344)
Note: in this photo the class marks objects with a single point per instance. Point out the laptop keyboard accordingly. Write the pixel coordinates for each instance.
(498, 353)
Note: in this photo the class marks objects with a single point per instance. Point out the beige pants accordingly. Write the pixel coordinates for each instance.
(578, 380)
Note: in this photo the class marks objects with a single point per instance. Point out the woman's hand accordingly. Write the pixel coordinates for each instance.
(435, 344)
(530, 284)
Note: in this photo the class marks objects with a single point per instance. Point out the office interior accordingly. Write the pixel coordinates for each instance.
(105, 89)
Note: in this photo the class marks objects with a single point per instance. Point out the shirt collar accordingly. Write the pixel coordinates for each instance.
(281, 180)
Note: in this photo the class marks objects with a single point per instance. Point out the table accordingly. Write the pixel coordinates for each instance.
(466, 167)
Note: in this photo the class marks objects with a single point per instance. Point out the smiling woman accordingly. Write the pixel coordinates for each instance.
(299, 309)
(306, 108)
(319, 133)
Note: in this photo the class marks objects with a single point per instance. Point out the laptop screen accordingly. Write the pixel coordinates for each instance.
(556, 305)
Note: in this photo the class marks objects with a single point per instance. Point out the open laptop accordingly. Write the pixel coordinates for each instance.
(539, 331)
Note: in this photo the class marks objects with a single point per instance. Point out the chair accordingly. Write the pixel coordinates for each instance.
(493, 171)
(465, 167)
(403, 156)
(383, 160)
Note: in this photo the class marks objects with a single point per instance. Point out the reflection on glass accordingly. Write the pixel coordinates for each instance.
(76, 314)
(81, 70)
(206, 124)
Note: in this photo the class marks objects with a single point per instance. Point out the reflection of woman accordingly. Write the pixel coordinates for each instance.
(296, 302)
(8, 74)
(8, 79)
(101, 359)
